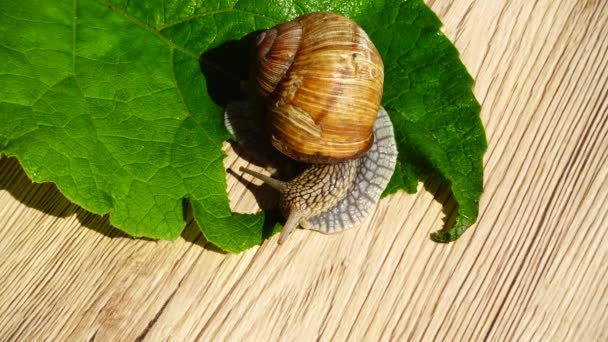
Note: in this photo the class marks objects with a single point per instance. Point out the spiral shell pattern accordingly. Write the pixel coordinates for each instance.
(329, 78)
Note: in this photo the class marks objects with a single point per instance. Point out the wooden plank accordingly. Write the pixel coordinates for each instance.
(533, 268)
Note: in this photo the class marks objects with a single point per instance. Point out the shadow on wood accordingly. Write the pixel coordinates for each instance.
(442, 193)
(48, 199)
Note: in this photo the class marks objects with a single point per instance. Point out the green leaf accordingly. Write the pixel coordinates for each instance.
(428, 93)
(107, 100)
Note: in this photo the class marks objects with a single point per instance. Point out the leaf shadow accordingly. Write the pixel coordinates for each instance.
(227, 68)
(441, 190)
(47, 198)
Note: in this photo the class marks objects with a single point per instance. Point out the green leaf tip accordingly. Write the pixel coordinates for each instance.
(449, 235)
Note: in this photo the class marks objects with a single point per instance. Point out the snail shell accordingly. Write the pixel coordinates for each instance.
(322, 78)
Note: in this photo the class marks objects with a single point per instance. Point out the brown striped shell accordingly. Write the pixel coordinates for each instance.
(323, 79)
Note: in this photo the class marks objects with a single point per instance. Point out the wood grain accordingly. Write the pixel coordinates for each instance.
(533, 268)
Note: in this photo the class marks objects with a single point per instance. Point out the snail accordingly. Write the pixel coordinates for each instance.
(320, 79)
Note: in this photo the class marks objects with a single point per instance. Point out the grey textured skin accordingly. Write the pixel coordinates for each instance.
(373, 173)
(343, 193)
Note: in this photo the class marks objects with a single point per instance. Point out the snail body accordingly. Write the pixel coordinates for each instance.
(321, 80)
(330, 198)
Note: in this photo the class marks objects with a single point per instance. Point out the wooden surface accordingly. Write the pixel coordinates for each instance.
(534, 267)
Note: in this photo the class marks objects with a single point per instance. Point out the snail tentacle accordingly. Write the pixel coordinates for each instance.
(274, 183)
(293, 221)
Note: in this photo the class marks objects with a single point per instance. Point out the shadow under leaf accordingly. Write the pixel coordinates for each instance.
(442, 194)
(47, 198)
(227, 68)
